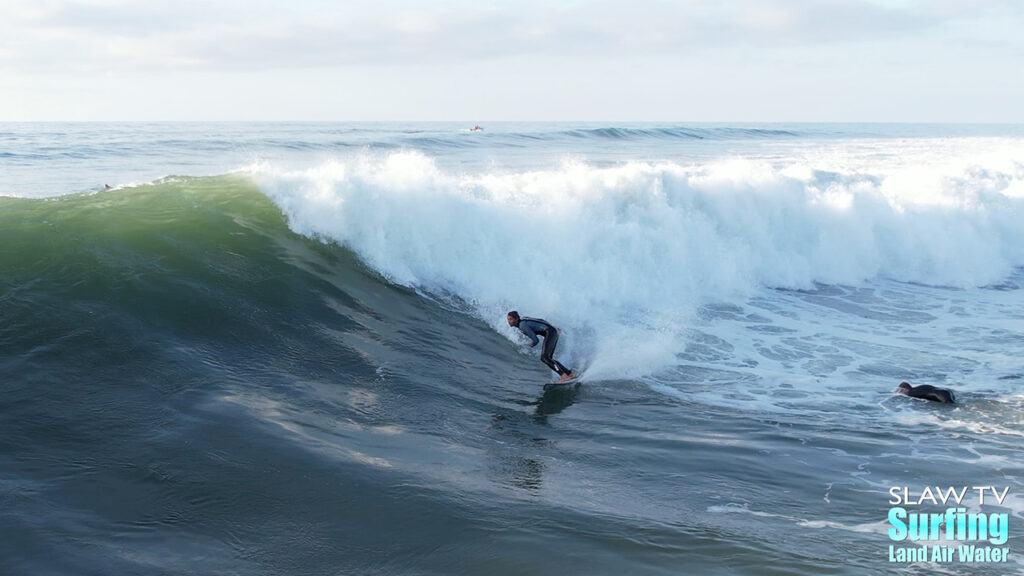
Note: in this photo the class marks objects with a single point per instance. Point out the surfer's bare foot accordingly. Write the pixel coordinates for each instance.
(568, 376)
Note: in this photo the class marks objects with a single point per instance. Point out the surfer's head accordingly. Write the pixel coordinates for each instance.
(513, 318)
(905, 387)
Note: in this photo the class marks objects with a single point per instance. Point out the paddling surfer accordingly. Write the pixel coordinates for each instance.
(928, 392)
(534, 327)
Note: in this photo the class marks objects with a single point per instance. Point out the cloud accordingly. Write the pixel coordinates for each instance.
(120, 36)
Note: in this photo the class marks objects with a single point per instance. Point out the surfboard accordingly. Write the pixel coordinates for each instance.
(569, 382)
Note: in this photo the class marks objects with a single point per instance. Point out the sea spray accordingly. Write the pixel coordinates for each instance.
(626, 254)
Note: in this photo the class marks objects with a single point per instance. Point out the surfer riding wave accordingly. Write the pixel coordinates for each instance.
(534, 327)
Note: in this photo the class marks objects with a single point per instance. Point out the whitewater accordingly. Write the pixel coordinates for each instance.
(286, 344)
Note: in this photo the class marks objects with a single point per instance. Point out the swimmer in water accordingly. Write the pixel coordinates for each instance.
(927, 392)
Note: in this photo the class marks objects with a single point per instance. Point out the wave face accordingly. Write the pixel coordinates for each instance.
(198, 269)
(177, 363)
(294, 360)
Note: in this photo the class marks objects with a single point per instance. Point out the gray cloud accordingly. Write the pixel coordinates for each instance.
(100, 36)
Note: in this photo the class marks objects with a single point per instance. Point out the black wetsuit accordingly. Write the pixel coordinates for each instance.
(928, 392)
(534, 327)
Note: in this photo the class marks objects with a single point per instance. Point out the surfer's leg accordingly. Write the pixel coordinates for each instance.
(548, 354)
(550, 363)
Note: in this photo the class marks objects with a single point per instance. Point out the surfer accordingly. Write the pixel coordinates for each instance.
(927, 392)
(533, 327)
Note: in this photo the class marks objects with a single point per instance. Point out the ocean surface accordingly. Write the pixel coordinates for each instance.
(281, 349)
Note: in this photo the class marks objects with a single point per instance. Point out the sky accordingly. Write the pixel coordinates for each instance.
(521, 60)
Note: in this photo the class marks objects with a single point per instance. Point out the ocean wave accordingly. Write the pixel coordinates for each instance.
(656, 132)
(630, 252)
(626, 257)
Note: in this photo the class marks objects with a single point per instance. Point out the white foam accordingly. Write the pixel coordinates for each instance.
(624, 255)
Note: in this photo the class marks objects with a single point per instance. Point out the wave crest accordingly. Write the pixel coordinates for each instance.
(631, 251)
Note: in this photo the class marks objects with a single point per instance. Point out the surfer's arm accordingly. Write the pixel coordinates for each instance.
(528, 332)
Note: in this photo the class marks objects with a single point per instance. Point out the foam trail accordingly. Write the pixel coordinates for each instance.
(625, 255)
